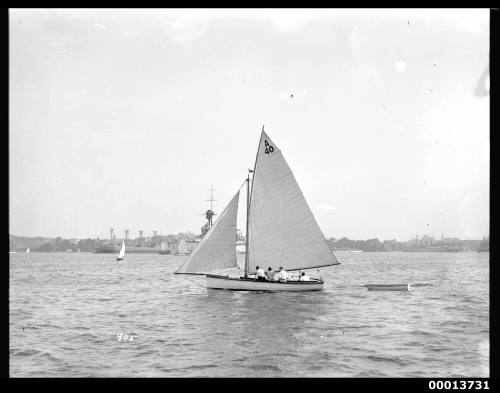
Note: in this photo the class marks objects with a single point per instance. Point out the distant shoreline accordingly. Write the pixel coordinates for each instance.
(424, 244)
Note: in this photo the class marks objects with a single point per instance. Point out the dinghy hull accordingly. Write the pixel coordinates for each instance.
(250, 284)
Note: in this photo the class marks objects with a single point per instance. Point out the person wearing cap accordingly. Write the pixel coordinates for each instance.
(303, 277)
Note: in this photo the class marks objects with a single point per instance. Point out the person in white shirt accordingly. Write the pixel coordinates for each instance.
(303, 277)
(270, 274)
(283, 275)
(260, 274)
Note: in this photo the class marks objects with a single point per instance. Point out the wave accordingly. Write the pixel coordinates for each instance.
(394, 360)
(265, 367)
(187, 331)
(34, 352)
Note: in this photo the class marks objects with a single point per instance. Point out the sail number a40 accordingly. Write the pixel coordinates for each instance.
(268, 148)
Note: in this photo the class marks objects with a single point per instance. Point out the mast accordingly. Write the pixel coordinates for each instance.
(247, 249)
(248, 209)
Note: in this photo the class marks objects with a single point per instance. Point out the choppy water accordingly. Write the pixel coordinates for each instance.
(73, 306)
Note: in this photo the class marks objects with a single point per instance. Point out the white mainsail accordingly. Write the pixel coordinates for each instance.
(122, 251)
(217, 249)
(282, 228)
(28, 250)
(182, 247)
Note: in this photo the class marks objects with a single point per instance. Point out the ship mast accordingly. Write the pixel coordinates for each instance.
(210, 213)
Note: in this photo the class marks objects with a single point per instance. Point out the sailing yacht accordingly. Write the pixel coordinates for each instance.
(281, 231)
(28, 250)
(121, 255)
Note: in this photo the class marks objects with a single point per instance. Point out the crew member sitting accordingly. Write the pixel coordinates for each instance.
(270, 274)
(304, 277)
(260, 274)
(283, 275)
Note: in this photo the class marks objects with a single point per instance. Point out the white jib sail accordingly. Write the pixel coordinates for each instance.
(217, 249)
(282, 228)
(122, 251)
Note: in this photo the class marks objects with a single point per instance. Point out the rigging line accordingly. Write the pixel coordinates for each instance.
(242, 184)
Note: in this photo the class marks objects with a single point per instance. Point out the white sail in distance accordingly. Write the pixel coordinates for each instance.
(122, 251)
(217, 249)
(282, 228)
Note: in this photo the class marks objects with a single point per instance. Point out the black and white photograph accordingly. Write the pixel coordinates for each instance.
(249, 193)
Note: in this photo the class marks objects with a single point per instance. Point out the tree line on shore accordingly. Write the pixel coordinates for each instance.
(371, 245)
(58, 244)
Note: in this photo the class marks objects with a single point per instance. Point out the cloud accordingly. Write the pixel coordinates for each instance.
(186, 28)
(185, 25)
(289, 20)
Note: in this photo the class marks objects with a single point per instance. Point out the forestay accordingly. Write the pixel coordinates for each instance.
(217, 250)
(282, 228)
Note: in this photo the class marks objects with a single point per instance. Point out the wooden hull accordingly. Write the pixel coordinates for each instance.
(250, 284)
(388, 287)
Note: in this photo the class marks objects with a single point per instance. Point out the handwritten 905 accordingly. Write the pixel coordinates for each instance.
(125, 337)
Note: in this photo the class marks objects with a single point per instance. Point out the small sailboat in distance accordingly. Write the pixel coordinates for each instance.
(281, 231)
(28, 250)
(121, 255)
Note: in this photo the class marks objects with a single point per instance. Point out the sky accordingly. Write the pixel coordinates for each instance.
(125, 118)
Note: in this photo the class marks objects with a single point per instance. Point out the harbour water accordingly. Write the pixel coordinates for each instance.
(67, 310)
